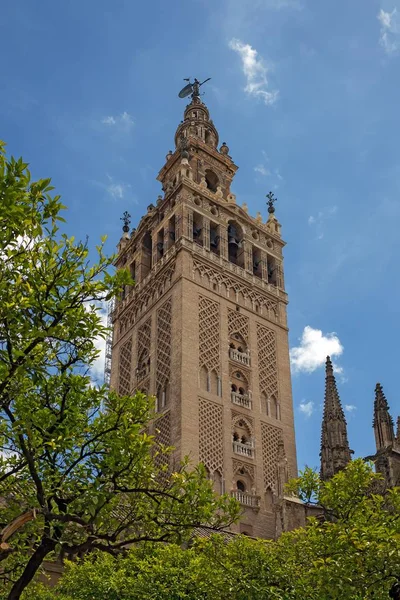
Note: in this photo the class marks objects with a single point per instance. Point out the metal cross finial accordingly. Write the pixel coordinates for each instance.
(126, 219)
(270, 203)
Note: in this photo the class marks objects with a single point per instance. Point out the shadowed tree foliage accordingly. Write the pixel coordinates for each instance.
(77, 469)
(354, 555)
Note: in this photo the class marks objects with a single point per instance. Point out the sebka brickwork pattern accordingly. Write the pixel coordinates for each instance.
(209, 334)
(270, 437)
(163, 370)
(238, 323)
(211, 447)
(162, 438)
(267, 362)
(124, 375)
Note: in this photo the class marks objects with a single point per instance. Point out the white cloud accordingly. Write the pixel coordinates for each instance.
(350, 407)
(307, 408)
(390, 31)
(262, 170)
(108, 121)
(313, 349)
(97, 369)
(255, 72)
(319, 220)
(265, 170)
(117, 190)
(123, 122)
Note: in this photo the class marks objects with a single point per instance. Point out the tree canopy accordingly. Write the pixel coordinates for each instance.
(78, 472)
(351, 552)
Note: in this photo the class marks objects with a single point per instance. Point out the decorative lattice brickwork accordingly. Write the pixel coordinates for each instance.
(124, 375)
(211, 277)
(162, 427)
(267, 367)
(209, 334)
(238, 323)
(163, 373)
(144, 341)
(270, 437)
(211, 450)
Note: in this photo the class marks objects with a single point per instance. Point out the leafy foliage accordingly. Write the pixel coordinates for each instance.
(354, 555)
(77, 469)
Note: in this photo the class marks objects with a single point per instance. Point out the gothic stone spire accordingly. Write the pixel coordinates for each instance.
(335, 452)
(383, 422)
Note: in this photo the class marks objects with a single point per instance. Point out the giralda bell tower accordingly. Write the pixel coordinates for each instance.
(204, 329)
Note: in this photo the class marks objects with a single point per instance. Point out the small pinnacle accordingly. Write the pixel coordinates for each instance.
(270, 203)
(126, 219)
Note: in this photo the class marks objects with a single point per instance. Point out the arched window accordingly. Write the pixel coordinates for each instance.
(147, 249)
(235, 244)
(198, 229)
(143, 366)
(218, 482)
(257, 262)
(272, 270)
(204, 379)
(214, 387)
(239, 383)
(160, 244)
(242, 438)
(240, 485)
(211, 180)
(162, 397)
(215, 238)
(171, 231)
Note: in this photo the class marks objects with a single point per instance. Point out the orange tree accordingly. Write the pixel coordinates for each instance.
(77, 470)
(351, 554)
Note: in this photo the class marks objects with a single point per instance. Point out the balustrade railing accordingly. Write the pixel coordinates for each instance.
(241, 357)
(247, 499)
(243, 449)
(241, 400)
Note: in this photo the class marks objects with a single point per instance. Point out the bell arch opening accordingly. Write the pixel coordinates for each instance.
(212, 180)
(235, 244)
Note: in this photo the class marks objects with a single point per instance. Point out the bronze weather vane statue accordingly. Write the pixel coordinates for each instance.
(192, 88)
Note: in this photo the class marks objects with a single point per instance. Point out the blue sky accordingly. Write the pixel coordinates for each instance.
(306, 95)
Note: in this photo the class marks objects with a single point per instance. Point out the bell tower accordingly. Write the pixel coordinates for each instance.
(204, 327)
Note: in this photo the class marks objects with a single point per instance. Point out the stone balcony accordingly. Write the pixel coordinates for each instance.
(250, 500)
(243, 449)
(241, 357)
(241, 400)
